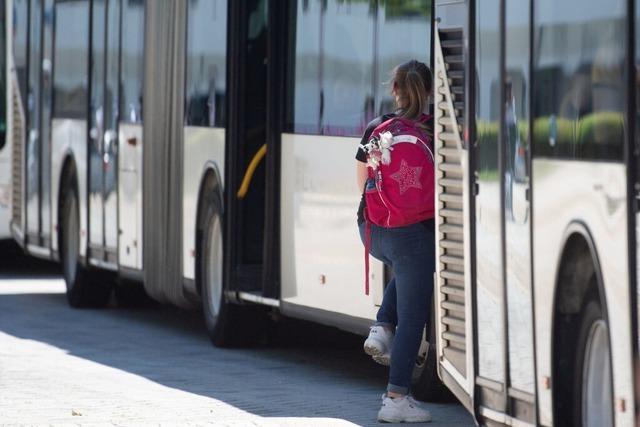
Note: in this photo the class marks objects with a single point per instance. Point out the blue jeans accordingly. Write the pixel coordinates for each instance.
(410, 251)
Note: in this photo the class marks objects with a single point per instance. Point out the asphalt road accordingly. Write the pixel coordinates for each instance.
(155, 366)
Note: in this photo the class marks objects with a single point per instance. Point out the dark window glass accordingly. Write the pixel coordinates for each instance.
(71, 55)
(343, 53)
(132, 61)
(579, 94)
(20, 28)
(206, 62)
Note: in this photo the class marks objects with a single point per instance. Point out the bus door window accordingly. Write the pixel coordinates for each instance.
(103, 136)
(96, 123)
(515, 158)
(47, 105)
(111, 116)
(489, 262)
(33, 120)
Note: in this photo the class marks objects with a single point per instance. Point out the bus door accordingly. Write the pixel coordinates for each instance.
(38, 226)
(453, 291)
(505, 377)
(252, 140)
(103, 131)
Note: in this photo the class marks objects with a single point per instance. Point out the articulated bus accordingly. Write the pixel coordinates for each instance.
(203, 151)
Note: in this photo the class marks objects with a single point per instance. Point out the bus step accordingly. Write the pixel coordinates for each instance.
(451, 244)
(451, 213)
(450, 275)
(452, 290)
(453, 321)
(449, 152)
(451, 228)
(457, 74)
(450, 167)
(450, 197)
(451, 336)
(450, 259)
(453, 306)
(449, 182)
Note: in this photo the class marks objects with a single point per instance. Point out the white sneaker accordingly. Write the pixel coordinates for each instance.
(378, 344)
(402, 410)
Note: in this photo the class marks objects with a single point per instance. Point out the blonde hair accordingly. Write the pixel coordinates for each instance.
(412, 83)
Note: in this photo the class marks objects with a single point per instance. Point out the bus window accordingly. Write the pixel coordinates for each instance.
(333, 93)
(579, 98)
(206, 63)
(403, 32)
(488, 220)
(344, 53)
(70, 60)
(517, 216)
(20, 27)
(132, 61)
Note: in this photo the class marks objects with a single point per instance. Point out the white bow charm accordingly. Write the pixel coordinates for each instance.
(385, 146)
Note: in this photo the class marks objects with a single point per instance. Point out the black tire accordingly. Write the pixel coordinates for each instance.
(593, 344)
(85, 289)
(228, 324)
(426, 384)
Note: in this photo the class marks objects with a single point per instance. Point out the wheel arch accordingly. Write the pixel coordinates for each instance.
(578, 280)
(578, 251)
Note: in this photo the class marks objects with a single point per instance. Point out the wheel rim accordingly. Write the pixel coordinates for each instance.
(213, 267)
(596, 378)
(71, 244)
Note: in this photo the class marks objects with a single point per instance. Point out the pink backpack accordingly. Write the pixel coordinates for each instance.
(400, 189)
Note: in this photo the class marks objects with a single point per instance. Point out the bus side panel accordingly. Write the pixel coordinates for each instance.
(69, 138)
(202, 146)
(130, 195)
(322, 255)
(592, 193)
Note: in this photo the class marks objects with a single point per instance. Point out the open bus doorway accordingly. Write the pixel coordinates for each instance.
(247, 173)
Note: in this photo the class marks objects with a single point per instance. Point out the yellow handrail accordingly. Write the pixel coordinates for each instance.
(248, 175)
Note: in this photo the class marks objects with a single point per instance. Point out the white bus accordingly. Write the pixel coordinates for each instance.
(536, 129)
(141, 127)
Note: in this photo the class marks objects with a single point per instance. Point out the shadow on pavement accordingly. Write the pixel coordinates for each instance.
(13, 262)
(325, 375)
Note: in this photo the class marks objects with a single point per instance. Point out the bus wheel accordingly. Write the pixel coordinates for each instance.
(228, 324)
(593, 404)
(425, 383)
(84, 288)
